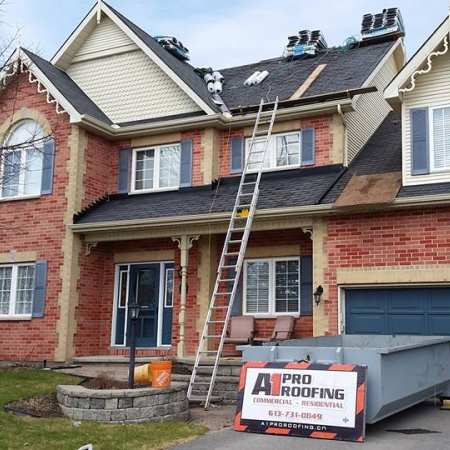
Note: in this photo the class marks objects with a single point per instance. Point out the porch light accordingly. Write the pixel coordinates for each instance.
(134, 309)
(318, 294)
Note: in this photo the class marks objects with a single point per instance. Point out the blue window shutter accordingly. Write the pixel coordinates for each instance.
(123, 177)
(40, 286)
(420, 146)
(236, 154)
(306, 285)
(236, 309)
(186, 163)
(48, 163)
(308, 144)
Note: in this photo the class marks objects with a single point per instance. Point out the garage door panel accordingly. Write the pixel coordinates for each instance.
(439, 300)
(439, 325)
(407, 324)
(367, 300)
(405, 300)
(369, 323)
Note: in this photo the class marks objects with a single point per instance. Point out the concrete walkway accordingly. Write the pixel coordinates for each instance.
(429, 428)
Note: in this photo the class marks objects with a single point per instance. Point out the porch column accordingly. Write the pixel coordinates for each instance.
(184, 242)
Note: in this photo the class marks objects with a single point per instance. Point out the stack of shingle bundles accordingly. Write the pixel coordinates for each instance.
(318, 39)
(367, 23)
(304, 37)
(174, 46)
(394, 19)
(378, 20)
(292, 42)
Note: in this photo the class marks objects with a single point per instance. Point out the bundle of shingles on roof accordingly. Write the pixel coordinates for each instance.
(305, 43)
(388, 21)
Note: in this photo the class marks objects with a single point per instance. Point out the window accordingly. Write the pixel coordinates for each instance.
(440, 132)
(283, 150)
(16, 290)
(168, 297)
(272, 286)
(156, 168)
(21, 171)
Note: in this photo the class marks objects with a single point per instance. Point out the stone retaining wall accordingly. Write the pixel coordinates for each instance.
(124, 405)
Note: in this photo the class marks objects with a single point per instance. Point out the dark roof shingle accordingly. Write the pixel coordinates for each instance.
(280, 189)
(343, 71)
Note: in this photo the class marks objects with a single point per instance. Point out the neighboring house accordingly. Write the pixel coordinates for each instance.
(132, 195)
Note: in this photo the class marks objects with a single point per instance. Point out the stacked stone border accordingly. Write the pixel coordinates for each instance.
(124, 405)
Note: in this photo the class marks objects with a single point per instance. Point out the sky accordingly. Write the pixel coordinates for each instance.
(219, 34)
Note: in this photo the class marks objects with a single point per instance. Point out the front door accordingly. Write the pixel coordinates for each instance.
(144, 289)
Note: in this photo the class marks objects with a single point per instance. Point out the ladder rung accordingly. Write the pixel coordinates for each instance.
(229, 266)
(231, 253)
(207, 351)
(235, 241)
(211, 336)
(262, 133)
(227, 280)
(246, 194)
(248, 182)
(219, 307)
(216, 321)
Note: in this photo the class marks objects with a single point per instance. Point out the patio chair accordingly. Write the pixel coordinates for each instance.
(283, 330)
(242, 330)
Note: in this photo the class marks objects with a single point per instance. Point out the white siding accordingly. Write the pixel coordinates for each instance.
(432, 90)
(105, 38)
(371, 109)
(130, 86)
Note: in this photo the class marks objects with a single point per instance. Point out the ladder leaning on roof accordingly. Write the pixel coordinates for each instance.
(233, 253)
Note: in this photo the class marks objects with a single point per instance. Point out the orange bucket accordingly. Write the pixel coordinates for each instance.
(143, 374)
(161, 373)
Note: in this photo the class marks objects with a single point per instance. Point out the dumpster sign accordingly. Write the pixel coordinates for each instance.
(302, 399)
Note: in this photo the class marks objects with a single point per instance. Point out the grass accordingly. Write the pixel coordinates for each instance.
(18, 432)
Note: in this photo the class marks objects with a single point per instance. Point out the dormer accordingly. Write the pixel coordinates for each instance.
(420, 94)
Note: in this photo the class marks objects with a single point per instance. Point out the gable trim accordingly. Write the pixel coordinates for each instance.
(171, 74)
(22, 63)
(430, 45)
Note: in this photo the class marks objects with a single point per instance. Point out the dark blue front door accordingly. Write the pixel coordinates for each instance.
(415, 311)
(144, 288)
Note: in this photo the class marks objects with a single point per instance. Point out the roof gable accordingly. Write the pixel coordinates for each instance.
(405, 79)
(182, 74)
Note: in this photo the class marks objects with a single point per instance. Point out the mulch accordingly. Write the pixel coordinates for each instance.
(44, 406)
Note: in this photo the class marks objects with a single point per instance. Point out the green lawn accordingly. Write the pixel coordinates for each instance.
(29, 433)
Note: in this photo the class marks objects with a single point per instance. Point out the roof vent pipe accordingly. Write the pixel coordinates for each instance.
(251, 78)
(217, 76)
(261, 77)
(208, 78)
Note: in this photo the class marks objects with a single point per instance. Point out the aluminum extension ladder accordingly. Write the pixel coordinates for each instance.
(232, 257)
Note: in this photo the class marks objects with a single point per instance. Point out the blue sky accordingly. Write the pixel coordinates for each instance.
(220, 34)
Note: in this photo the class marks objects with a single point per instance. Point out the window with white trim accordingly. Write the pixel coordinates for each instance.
(283, 150)
(440, 138)
(21, 169)
(156, 168)
(16, 290)
(272, 286)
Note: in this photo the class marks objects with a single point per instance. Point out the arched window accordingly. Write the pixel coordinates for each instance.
(22, 159)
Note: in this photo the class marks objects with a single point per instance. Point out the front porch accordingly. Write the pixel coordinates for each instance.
(172, 277)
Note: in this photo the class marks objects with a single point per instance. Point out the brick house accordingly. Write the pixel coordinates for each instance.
(139, 172)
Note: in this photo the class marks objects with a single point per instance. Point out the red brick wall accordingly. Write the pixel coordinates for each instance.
(323, 143)
(35, 225)
(197, 154)
(406, 238)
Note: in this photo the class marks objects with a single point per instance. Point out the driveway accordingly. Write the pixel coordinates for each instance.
(421, 427)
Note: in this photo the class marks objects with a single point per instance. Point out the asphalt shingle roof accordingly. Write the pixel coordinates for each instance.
(280, 189)
(343, 71)
(68, 88)
(382, 154)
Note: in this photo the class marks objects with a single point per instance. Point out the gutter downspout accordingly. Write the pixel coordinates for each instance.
(344, 123)
(184, 244)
